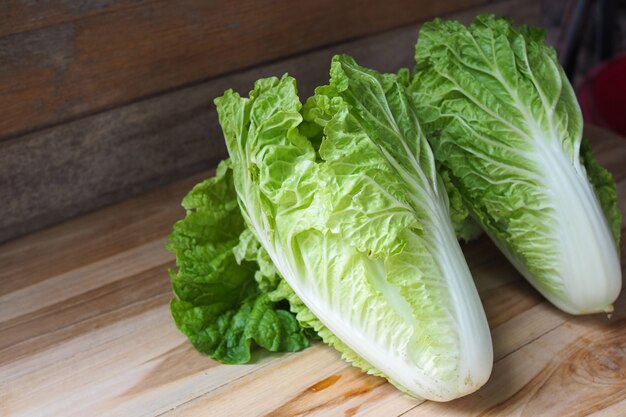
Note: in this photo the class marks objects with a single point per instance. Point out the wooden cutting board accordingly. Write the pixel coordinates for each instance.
(85, 331)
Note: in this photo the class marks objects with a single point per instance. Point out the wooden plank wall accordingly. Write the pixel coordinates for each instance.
(102, 100)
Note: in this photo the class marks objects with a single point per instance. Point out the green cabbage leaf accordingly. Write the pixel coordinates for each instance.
(227, 298)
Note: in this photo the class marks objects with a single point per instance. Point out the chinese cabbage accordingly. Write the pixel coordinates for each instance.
(504, 122)
(344, 197)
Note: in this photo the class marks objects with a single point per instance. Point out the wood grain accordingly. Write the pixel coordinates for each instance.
(85, 330)
(23, 16)
(66, 170)
(100, 60)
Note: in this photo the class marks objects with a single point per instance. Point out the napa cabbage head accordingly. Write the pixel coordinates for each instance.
(344, 197)
(506, 128)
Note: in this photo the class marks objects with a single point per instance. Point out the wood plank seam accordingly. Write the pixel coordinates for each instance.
(80, 321)
(534, 338)
(76, 324)
(254, 370)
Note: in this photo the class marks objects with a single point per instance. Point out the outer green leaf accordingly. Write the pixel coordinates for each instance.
(219, 306)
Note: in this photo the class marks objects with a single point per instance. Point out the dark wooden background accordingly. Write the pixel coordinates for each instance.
(101, 100)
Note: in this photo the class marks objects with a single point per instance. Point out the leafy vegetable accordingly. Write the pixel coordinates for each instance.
(344, 197)
(504, 123)
(226, 287)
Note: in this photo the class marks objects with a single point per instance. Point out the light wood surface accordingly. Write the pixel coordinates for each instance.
(85, 331)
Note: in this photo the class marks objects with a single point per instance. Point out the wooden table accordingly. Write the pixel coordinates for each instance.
(85, 330)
